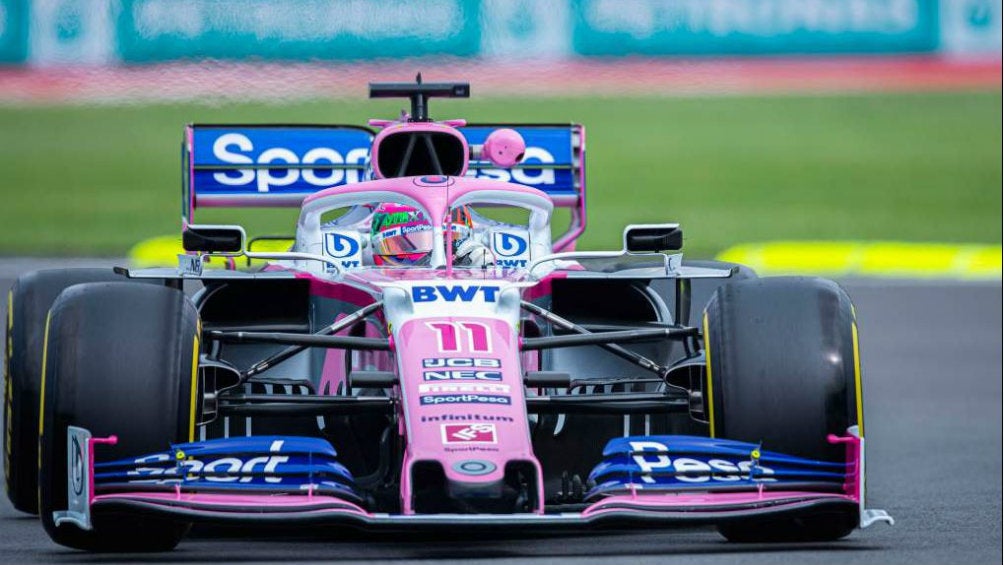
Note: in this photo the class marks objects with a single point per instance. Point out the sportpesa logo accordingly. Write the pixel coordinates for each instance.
(265, 165)
(650, 458)
(265, 153)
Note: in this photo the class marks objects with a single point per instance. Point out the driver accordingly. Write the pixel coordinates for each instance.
(402, 236)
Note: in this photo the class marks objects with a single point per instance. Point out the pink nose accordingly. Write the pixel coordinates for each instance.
(504, 147)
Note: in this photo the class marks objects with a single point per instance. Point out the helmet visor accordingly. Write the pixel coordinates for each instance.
(405, 239)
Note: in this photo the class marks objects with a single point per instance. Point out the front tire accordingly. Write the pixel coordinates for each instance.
(120, 359)
(28, 305)
(783, 369)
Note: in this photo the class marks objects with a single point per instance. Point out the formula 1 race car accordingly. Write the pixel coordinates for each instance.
(425, 354)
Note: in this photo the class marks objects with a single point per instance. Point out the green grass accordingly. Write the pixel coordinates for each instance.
(915, 167)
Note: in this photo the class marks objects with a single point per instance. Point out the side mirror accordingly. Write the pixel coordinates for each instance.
(653, 237)
(504, 148)
(214, 239)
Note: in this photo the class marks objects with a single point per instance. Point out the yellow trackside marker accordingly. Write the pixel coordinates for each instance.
(163, 251)
(160, 251)
(857, 380)
(711, 397)
(870, 259)
(194, 384)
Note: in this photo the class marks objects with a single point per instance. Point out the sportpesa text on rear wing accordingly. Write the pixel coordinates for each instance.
(237, 166)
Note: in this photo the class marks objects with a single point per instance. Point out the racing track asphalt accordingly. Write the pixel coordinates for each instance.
(932, 360)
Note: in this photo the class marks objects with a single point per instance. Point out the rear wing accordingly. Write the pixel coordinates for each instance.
(275, 166)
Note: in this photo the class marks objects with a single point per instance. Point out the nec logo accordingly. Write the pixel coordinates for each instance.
(238, 149)
(462, 375)
(453, 293)
(341, 246)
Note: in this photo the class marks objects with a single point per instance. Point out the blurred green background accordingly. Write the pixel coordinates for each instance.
(94, 180)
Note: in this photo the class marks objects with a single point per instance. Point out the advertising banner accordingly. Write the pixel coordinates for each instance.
(163, 30)
(109, 32)
(753, 27)
(971, 27)
(13, 31)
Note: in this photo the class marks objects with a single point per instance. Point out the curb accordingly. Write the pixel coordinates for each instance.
(885, 259)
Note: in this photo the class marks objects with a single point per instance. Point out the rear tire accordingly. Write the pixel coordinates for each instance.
(783, 362)
(28, 305)
(120, 359)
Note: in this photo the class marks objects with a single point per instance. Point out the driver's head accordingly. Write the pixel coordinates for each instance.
(402, 236)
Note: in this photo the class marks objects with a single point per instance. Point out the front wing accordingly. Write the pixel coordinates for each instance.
(328, 499)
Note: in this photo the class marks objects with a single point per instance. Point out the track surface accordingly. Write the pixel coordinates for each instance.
(932, 360)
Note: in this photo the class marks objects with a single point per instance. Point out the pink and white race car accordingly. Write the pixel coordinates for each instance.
(425, 353)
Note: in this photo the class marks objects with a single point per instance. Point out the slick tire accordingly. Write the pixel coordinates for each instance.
(28, 304)
(120, 359)
(783, 369)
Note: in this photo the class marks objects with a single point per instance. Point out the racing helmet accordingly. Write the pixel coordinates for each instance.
(402, 236)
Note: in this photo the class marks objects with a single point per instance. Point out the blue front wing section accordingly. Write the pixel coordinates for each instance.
(272, 463)
(678, 463)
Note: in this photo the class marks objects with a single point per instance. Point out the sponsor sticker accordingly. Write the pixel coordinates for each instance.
(435, 400)
(468, 433)
(463, 388)
(460, 362)
(454, 293)
(77, 467)
(689, 469)
(462, 375)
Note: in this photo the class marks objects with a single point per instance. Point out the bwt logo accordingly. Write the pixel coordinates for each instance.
(532, 156)
(237, 149)
(341, 246)
(507, 246)
(453, 293)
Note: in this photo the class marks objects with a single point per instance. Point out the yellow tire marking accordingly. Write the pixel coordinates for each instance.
(194, 384)
(41, 401)
(707, 361)
(45, 361)
(857, 380)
